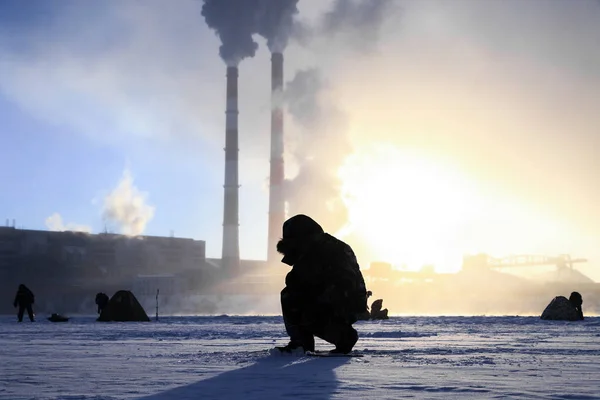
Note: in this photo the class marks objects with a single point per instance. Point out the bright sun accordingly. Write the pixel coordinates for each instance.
(406, 207)
(413, 210)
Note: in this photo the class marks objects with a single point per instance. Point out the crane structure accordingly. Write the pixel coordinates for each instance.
(523, 260)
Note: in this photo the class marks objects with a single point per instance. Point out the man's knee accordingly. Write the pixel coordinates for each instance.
(291, 301)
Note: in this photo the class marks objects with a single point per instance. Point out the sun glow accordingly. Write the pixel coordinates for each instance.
(412, 210)
(407, 208)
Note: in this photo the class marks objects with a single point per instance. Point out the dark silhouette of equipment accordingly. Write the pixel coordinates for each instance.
(58, 318)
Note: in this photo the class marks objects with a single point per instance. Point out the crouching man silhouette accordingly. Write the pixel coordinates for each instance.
(324, 291)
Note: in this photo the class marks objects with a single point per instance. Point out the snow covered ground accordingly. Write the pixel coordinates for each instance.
(226, 358)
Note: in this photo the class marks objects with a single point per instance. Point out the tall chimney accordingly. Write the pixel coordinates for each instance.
(231, 240)
(276, 181)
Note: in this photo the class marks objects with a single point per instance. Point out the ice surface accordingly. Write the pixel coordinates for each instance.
(227, 358)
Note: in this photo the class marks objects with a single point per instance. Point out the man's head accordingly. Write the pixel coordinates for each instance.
(576, 299)
(298, 232)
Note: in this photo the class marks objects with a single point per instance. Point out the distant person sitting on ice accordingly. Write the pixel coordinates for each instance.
(577, 301)
(561, 309)
(325, 290)
(377, 312)
(24, 299)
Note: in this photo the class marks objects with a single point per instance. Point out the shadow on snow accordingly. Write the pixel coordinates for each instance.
(268, 378)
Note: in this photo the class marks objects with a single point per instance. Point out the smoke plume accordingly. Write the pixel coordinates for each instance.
(126, 207)
(321, 144)
(356, 22)
(276, 22)
(55, 223)
(235, 22)
(320, 148)
(360, 16)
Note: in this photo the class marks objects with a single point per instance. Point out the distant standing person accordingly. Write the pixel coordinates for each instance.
(101, 301)
(24, 299)
(577, 301)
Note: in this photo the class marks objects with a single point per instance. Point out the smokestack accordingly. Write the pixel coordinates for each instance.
(231, 241)
(276, 196)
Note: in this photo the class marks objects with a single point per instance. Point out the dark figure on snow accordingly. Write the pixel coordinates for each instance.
(24, 299)
(101, 301)
(325, 290)
(563, 309)
(58, 318)
(376, 310)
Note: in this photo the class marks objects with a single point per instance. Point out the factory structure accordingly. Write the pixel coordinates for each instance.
(252, 276)
(66, 269)
(230, 258)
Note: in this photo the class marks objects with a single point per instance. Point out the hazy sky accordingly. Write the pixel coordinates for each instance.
(113, 104)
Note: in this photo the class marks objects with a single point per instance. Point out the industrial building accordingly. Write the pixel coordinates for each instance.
(71, 267)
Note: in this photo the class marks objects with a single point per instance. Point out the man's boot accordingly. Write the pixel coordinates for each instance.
(306, 342)
(343, 336)
(347, 340)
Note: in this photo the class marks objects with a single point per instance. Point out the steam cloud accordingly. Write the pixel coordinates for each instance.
(321, 148)
(357, 21)
(126, 207)
(362, 18)
(323, 145)
(55, 223)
